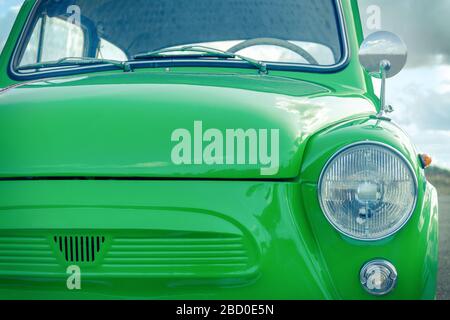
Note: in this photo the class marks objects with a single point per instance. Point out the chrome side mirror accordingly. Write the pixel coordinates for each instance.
(383, 55)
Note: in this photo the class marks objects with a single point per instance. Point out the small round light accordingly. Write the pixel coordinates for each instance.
(378, 277)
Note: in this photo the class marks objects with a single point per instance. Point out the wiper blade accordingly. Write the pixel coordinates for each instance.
(204, 52)
(76, 61)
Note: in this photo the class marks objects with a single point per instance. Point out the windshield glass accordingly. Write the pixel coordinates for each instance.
(289, 31)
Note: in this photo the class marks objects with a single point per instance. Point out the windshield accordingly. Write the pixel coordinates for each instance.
(289, 31)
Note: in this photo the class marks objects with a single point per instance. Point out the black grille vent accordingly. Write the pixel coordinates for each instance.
(79, 248)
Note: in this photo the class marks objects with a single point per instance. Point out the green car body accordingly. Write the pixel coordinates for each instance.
(85, 161)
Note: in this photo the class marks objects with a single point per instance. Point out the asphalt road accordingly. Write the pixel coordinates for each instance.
(444, 252)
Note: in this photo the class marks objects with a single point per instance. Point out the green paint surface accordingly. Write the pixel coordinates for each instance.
(164, 231)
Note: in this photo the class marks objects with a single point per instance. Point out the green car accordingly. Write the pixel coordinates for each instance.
(204, 149)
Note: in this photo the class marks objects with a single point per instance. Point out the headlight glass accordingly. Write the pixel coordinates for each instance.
(368, 191)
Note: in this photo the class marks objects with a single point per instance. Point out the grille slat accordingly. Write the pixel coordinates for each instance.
(76, 248)
(21, 247)
(177, 247)
(179, 260)
(66, 252)
(18, 252)
(79, 248)
(166, 255)
(180, 255)
(22, 240)
(177, 241)
(92, 249)
(87, 248)
(82, 248)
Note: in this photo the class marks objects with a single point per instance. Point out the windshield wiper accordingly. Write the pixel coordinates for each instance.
(75, 61)
(204, 52)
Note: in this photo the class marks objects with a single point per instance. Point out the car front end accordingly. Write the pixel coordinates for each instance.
(200, 177)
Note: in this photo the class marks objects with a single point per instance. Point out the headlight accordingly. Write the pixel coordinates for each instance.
(368, 191)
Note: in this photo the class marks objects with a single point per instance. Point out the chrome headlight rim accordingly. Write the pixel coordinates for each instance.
(395, 152)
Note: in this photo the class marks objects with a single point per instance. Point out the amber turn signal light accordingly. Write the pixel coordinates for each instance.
(426, 160)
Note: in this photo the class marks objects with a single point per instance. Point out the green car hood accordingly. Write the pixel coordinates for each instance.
(121, 124)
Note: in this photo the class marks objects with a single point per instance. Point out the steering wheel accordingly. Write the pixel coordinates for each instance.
(274, 42)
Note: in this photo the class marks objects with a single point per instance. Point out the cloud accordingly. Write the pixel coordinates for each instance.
(423, 25)
(422, 96)
(8, 13)
(6, 22)
(10, 6)
(421, 99)
(431, 142)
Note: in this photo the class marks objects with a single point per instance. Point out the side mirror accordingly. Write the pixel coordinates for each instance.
(383, 55)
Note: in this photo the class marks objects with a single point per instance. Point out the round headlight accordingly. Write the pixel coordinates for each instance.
(368, 191)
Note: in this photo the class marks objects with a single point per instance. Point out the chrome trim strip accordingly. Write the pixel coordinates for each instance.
(17, 85)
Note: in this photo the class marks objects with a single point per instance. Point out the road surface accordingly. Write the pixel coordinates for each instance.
(444, 252)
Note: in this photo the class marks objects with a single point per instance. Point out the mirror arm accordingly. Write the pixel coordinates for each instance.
(385, 66)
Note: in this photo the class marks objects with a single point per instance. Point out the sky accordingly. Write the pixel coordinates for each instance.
(420, 94)
(8, 12)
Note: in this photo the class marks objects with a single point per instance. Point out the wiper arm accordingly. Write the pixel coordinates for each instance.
(204, 52)
(70, 61)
